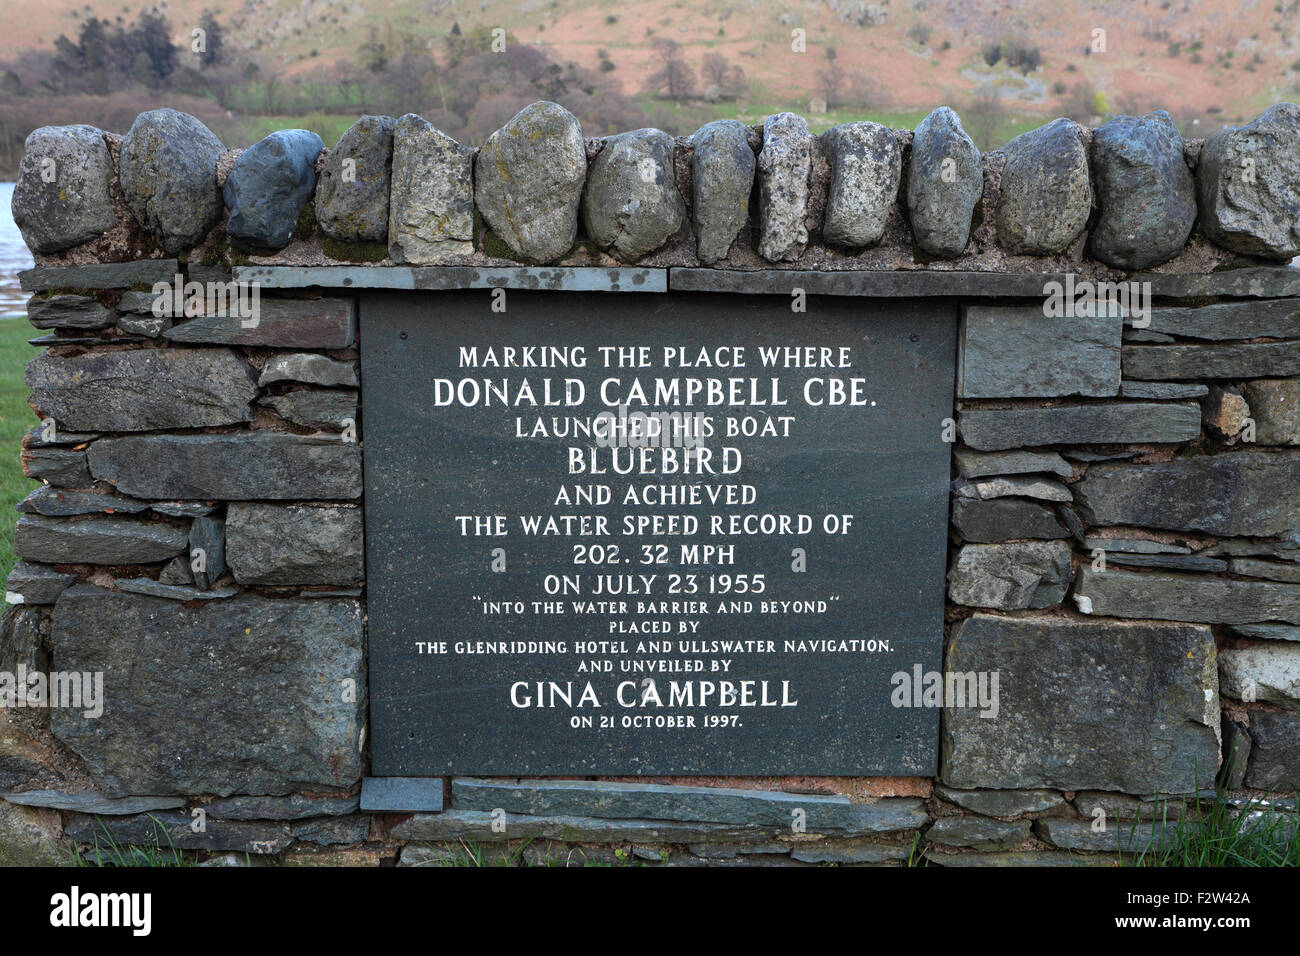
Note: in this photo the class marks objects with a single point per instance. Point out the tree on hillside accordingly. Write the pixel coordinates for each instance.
(831, 78)
(674, 78)
(212, 53)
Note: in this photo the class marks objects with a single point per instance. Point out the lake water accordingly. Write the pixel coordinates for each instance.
(14, 257)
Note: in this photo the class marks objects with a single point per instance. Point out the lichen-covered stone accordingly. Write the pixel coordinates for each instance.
(269, 187)
(783, 167)
(1236, 493)
(945, 180)
(1046, 193)
(63, 194)
(294, 544)
(431, 205)
(1111, 705)
(866, 161)
(722, 168)
(1248, 184)
(352, 191)
(631, 204)
(29, 837)
(142, 389)
(1032, 574)
(1275, 406)
(236, 696)
(528, 181)
(240, 466)
(1146, 197)
(169, 177)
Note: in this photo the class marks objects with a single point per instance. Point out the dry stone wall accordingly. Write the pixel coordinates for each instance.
(1125, 525)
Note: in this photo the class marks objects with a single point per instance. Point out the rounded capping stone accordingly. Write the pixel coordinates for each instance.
(630, 202)
(866, 161)
(168, 172)
(75, 205)
(1046, 190)
(268, 187)
(356, 209)
(784, 165)
(1248, 185)
(1145, 193)
(941, 207)
(722, 174)
(528, 181)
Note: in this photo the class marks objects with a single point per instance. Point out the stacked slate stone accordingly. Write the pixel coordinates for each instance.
(1127, 519)
(197, 539)
(1126, 197)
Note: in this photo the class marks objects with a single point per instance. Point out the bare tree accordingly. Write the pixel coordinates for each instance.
(985, 114)
(674, 78)
(831, 78)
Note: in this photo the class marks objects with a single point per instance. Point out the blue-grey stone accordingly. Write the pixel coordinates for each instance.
(1116, 837)
(69, 312)
(174, 829)
(646, 801)
(978, 833)
(208, 536)
(1001, 803)
(1202, 598)
(99, 275)
(90, 802)
(269, 677)
(1236, 493)
(241, 466)
(333, 831)
(295, 806)
(995, 429)
(1145, 194)
(1011, 576)
(401, 794)
(97, 540)
(1275, 751)
(269, 186)
(1004, 519)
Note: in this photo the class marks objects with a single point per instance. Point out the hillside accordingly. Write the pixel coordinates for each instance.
(1207, 61)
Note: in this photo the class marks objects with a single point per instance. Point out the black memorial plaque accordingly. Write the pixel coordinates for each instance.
(527, 617)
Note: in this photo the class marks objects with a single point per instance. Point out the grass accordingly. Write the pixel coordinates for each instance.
(117, 855)
(16, 419)
(1223, 835)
